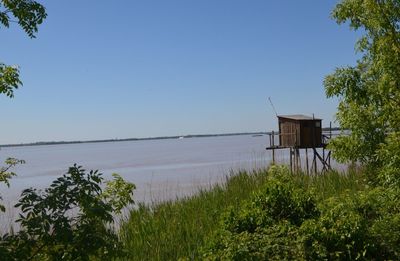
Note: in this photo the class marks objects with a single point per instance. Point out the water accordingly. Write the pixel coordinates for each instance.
(161, 169)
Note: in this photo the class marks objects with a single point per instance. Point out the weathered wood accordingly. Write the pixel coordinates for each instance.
(273, 150)
(315, 161)
(300, 131)
(307, 170)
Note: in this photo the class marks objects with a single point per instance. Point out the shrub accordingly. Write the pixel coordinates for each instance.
(70, 220)
(275, 242)
(339, 233)
(358, 226)
(285, 221)
(266, 227)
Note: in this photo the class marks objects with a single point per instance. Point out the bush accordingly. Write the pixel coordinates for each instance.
(275, 242)
(70, 220)
(361, 226)
(284, 220)
(266, 227)
(340, 233)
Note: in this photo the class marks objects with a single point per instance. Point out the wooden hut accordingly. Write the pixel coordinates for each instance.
(299, 131)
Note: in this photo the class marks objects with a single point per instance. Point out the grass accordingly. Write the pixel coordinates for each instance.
(180, 228)
(333, 183)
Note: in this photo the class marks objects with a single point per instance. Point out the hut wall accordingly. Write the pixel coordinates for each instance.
(288, 130)
(311, 134)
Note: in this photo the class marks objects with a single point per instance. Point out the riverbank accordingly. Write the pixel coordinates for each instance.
(218, 220)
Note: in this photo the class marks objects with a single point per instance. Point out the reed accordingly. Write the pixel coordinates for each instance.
(179, 229)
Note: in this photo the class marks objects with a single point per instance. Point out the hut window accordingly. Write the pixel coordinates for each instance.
(317, 124)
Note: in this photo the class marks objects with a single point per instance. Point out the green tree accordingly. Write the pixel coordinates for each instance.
(29, 15)
(369, 92)
(73, 218)
(6, 174)
(70, 220)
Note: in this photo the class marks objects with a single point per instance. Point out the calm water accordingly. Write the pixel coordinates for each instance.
(161, 169)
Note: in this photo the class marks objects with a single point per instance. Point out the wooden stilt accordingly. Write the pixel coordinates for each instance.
(315, 161)
(307, 170)
(299, 159)
(325, 161)
(273, 156)
(329, 159)
(296, 153)
(291, 162)
(273, 145)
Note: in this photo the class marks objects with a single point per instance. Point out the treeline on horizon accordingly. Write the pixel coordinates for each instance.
(325, 129)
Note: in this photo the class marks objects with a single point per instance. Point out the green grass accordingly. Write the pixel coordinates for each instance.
(333, 183)
(180, 228)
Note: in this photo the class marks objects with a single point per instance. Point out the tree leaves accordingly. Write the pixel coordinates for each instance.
(369, 92)
(69, 220)
(29, 15)
(9, 79)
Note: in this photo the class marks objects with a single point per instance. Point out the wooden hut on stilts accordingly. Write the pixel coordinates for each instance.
(300, 132)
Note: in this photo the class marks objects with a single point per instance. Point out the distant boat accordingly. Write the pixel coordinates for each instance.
(181, 137)
(257, 135)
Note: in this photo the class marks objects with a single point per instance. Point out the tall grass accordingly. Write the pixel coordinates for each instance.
(333, 183)
(176, 229)
(173, 229)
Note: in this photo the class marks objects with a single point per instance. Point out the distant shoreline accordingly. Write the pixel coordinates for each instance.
(41, 143)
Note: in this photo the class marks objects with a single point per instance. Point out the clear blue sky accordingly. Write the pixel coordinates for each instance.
(120, 69)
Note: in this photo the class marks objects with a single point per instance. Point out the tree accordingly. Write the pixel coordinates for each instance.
(6, 174)
(73, 218)
(369, 92)
(29, 15)
(70, 220)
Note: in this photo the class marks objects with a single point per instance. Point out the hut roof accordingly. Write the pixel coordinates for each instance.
(298, 117)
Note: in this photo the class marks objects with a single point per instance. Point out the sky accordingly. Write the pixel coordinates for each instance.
(129, 68)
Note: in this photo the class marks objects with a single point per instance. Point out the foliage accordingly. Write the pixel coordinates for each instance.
(276, 242)
(266, 227)
(279, 199)
(6, 174)
(369, 92)
(118, 193)
(177, 229)
(340, 233)
(9, 79)
(70, 220)
(347, 225)
(29, 15)
(188, 228)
